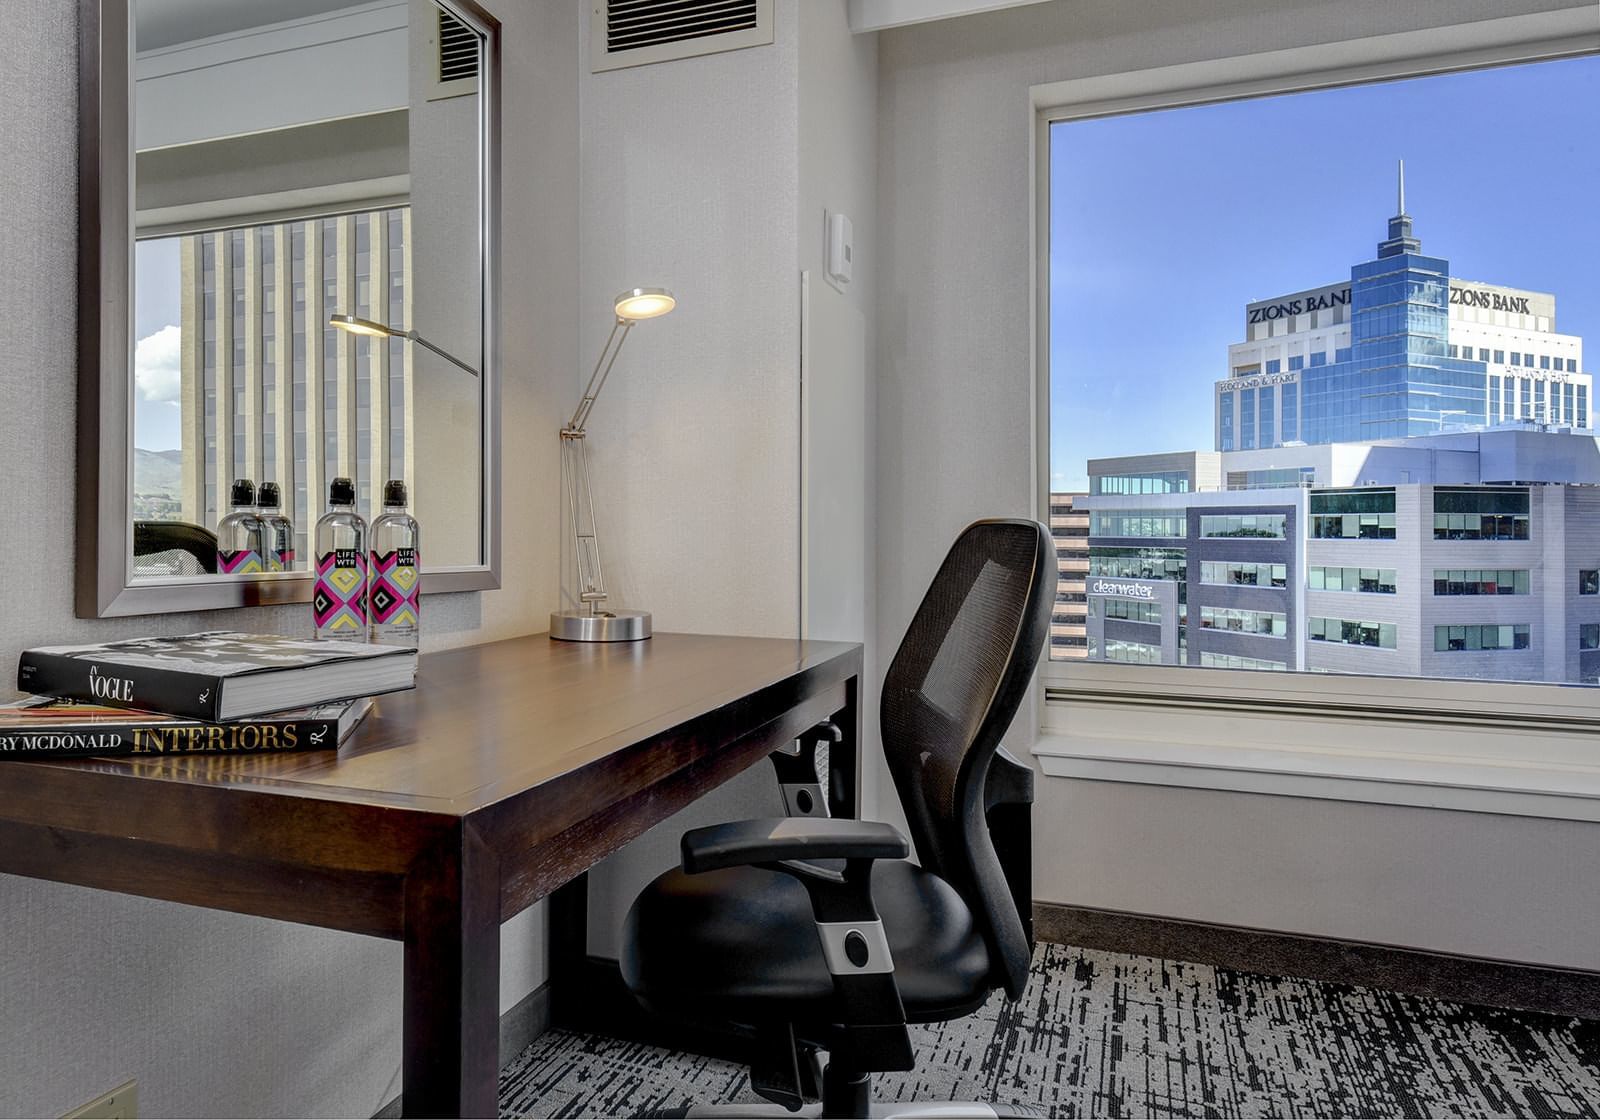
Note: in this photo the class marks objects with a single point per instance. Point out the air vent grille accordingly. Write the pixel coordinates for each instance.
(635, 32)
(458, 49)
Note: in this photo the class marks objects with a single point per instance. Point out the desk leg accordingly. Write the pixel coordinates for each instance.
(452, 983)
(570, 983)
(844, 757)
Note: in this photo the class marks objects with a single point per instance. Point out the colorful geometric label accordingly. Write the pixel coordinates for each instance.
(339, 601)
(397, 590)
(238, 561)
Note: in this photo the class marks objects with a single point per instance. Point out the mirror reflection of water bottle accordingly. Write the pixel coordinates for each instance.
(239, 544)
(277, 531)
(396, 570)
(339, 599)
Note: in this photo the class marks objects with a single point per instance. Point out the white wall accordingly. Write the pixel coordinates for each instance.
(689, 178)
(955, 430)
(217, 1014)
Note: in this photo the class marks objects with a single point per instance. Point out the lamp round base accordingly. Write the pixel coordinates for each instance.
(612, 626)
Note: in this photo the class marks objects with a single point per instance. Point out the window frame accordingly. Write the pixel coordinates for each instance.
(1493, 746)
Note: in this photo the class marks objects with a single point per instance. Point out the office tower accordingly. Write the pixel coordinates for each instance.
(1402, 348)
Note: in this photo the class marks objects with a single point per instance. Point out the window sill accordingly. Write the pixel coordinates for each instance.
(1382, 775)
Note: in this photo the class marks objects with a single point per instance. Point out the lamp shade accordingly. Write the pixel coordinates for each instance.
(644, 303)
(356, 325)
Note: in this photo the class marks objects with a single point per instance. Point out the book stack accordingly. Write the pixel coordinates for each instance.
(214, 693)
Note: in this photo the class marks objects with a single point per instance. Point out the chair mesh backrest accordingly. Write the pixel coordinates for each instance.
(951, 693)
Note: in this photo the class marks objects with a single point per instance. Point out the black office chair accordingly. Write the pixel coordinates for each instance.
(176, 548)
(754, 934)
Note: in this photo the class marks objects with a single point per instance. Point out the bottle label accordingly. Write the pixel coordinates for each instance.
(397, 591)
(339, 603)
(238, 561)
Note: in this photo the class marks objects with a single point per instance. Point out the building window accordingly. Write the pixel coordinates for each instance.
(1483, 355)
(1149, 482)
(1376, 581)
(1136, 653)
(1135, 523)
(1127, 610)
(1500, 356)
(1247, 419)
(1235, 573)
(1589, 635)
(1459, 639)
(1544, 361)
(1319, 358)
(1353, 515)
(1267, 624)
(1479, 513)
(1516, 358)
(1272, 479)
(1481, 581)
(1572, 365)
(1211, 660)
(1243, 525)
(1225, 422)
(1296, 362)
(1268, 435)
(1274, 365)
(1589, 581)
(1351, 632)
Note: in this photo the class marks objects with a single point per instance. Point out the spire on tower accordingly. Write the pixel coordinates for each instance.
(1400, 239)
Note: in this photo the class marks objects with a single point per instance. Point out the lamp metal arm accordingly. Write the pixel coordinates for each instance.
(597, 379)
(445, 354)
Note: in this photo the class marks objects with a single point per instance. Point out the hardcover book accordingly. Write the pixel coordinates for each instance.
(216, 676)
(44, 728)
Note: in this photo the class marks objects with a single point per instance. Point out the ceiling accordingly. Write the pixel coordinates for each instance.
(162, 23)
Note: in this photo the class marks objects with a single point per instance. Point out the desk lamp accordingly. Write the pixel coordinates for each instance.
(592, 622)
(371, 329)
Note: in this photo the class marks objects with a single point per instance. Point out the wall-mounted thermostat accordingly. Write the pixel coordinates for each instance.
(841, 248)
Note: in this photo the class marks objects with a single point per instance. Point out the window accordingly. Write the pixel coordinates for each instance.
(1459, 639)
(1234, 573)
(1271, 479)
(1296, 362)
(1353, 515)
(1589, 581)
(1483, 355)
(1089, 148)
(1149, 482)
(1544, 361)
(1247, 419)
(1274, 365)
(1572, 365)
(1589, 635)
(1268, 420)
(1374, 581)
(1350, 632)
(1516, 358)
(1264, 623)
(1134, 523)
(1128, 610)
(1243, 525)
(1230, 661)
(1480, 514)
(1480, 581)
(1291, 413)
(1137, 653)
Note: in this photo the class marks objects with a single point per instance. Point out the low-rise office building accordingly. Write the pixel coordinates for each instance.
(1464, 555)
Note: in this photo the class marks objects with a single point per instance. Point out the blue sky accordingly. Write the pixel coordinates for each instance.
(1164, 225)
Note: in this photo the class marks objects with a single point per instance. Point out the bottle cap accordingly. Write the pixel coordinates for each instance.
(394, 492)
(267, 495)
(243, 492)
(342, 492)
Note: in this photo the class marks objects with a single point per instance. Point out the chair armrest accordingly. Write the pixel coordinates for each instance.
(870, 1015)
(1008, 807)
(779, 839)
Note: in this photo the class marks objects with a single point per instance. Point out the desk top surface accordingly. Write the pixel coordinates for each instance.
(489, 721)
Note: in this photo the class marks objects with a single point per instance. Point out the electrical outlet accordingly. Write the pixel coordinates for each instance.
(122, 1103)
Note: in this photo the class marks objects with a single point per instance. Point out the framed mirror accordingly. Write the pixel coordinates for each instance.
(288, 223)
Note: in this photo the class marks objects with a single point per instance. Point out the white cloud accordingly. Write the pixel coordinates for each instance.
(158, 365)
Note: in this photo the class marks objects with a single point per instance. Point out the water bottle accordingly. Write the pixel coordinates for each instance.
(396, 571)
(239, 545)
(277, 531)
(339, 599)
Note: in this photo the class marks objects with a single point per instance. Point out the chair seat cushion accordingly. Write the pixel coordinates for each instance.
(740, 945)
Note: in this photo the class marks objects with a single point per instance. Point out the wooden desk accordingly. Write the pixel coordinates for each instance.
(509, 771)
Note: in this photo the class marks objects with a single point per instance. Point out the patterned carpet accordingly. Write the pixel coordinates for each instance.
(1105, 1034)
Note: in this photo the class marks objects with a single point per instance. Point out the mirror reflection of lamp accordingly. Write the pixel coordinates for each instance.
(371, 329)
(593, 622)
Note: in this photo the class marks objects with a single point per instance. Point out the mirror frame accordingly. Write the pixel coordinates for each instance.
(104, 587)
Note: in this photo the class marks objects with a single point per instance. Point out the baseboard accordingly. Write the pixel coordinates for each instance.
(1457, 979)
(519, 1026)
